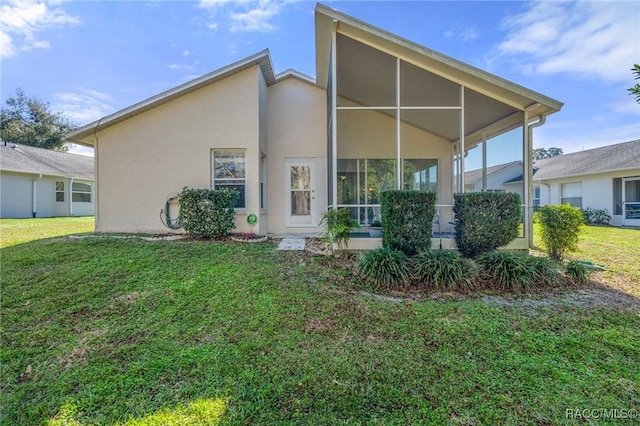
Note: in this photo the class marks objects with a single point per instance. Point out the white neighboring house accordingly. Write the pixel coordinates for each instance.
(36, 182)
(496, 176)
(601, 178)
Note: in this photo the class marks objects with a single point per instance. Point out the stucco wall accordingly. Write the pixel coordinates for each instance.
(15, 189)
(158, 152)
(297, 128)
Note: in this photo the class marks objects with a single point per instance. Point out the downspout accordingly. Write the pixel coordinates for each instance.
(528, 174)
(34, 198)
(71, 197)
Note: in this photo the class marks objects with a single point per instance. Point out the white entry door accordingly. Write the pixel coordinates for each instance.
(300, 193)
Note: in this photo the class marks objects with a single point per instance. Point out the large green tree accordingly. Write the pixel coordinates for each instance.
(28, 120)
(635, 90)
(540, 153)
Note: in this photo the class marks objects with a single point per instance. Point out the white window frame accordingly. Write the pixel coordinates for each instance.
(60, 191)
(235, 181)
(563, 197)
(81, 192)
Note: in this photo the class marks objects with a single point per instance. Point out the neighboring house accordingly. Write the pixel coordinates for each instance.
(601, 178)
(36, 182)
(382, 113)
(496, 176)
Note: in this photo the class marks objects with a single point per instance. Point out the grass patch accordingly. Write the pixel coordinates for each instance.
(616, 249)
(19, 231)
(111, 331)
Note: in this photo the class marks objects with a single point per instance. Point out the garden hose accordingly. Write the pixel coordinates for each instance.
(165, 214)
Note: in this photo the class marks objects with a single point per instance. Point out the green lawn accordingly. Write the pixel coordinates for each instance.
(110, 331)
(18, 231)
(615, 248)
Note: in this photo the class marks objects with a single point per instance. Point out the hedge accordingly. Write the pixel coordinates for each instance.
(485, 221)
(407, 220)
(207, 213)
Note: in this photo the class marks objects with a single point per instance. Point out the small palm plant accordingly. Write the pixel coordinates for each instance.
(337, 225)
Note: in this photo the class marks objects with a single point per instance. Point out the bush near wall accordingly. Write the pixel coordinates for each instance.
(596, 216)
(407, 220)
(207, 213)
(485, 221)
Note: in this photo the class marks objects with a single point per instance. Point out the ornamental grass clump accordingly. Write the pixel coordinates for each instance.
(445, 270)
(577, 272)
(515, 271)
(386, 268)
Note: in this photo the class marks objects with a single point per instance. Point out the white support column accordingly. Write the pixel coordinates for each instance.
(527, 175)
(398, 127)
(484, 161)
(71, 197)
(462, 108)
(334, 114)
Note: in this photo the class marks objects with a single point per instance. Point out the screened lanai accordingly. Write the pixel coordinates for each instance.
(401, 116)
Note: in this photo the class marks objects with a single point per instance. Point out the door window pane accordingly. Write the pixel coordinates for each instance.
(300, 177)
(300, 203)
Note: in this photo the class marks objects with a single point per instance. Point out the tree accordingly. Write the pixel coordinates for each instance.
(635, 90)
(540, 153)
(28, 120)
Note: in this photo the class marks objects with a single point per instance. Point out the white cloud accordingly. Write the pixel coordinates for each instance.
(592, 40)
(21, 20)
(83, 105)
(628, 106)
(464, 35)
(243, 16)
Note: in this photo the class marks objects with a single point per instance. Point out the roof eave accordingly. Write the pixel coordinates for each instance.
(261, 59)
(327, 17)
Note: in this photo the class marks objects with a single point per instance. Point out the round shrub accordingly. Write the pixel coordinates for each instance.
(407, 220)
(559, 229)
(445, 269)
(386, 268)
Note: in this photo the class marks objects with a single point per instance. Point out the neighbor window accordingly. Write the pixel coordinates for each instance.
(59, 191)
(536, 197)
(81, 192)
(572, 194)
(229, 171)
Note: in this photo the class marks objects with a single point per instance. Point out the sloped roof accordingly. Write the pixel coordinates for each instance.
(29, 159)
(328, 20)
(473, 176)
(617, 157)
(261, 59)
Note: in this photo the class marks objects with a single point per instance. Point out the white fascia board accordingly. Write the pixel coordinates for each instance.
(261, 59)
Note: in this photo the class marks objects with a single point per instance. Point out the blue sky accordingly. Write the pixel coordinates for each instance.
(92, 58)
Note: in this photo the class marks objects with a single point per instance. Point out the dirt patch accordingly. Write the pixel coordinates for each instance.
(129, 298)
(78, 354)
(596, 297)
(317, 246)
(321, 326)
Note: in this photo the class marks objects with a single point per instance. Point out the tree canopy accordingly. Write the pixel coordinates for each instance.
(635, 90)
(28, 120)
(540, 153)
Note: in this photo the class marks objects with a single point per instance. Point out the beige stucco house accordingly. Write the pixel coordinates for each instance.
(382, 113)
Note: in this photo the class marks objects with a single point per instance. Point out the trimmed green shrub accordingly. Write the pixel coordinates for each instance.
(559, 229)
(577, 272)
(485, 221)
(596, 216)
(207, 213)
(445, 269)
(515, 271)
(407, 219)
(337, 224)
(386, 268)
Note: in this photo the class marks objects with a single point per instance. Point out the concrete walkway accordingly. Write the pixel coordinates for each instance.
(291, 244)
